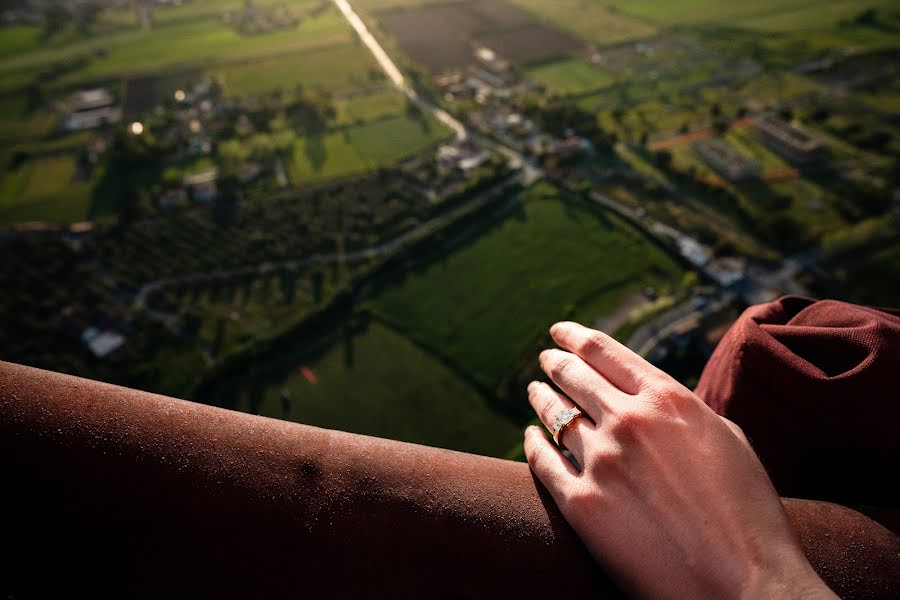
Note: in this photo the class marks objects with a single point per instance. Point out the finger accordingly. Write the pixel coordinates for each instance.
(548, 463)
(580, 382)
(548, 403)
(622, 367)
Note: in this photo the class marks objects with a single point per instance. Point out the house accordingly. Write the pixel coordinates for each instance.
(102, 343)
(787, 140)
(722, 158)
(88, 109)
(727, 271)
(202, 185)
(248, 171)
(173, 198)
(696, 253)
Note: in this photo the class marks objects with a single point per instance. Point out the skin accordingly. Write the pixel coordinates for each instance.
(670, 497)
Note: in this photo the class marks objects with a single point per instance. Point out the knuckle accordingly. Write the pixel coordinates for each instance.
(607, 465)
(562, 366)
(631, 423)
(595, 343)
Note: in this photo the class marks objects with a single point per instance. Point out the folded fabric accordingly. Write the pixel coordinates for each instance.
(815, 385)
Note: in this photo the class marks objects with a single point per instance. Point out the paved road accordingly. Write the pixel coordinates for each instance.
(647, 336)
(515, 160)
(394, 73)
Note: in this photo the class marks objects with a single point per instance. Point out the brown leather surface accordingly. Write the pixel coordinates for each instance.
(111, 492)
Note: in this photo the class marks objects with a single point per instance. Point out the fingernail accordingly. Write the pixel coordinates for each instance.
(532, 386)
(555, 328)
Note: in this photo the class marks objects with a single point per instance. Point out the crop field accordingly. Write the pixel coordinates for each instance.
(45, 189)
(374, 381)
(379, 104)
(570, 76)
(334, 68)
(363, 147)
(594, 22)
(531, 43)
(440, 36)
(775, 15)
(485, 304)
(185, 42)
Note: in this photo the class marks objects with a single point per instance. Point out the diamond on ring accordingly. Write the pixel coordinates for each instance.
(564, 418)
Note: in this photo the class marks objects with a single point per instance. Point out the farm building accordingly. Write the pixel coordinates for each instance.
(725, 160)
(88, 109)
(203, 185)
(787, 140)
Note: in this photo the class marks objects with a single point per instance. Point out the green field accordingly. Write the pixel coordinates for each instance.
(570, 76)
(485, 305)
(179, 43)
(594, 22)
(867, 280)
(337, 69)
(777, 15)
(45, 190)
(360, 108)
(376, 382)
(360, 148)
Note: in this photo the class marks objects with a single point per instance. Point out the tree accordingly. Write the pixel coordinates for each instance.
(663, 159)
(56, 17)
(867, 17)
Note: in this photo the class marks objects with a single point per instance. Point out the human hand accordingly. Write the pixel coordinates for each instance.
(670, 498)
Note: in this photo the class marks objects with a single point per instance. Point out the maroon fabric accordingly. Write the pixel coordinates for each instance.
(814, 385)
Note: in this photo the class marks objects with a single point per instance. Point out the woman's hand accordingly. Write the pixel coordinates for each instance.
(670, 497)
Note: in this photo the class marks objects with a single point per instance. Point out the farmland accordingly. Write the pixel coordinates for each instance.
(499, 292)
(373, 381)
(362, 147)
(598, 23)
(189, 44)
(440, 36)
(767, 14)
(570, 76)
(49, 187)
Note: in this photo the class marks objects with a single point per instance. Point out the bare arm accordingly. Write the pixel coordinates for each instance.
(671, 497)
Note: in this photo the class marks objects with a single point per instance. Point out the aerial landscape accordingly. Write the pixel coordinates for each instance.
(365, 214)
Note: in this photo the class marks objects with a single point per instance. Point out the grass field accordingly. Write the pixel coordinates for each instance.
(337, 69)
(181, 43)
(594, 22)
(363, 147)
(866, 280)
(45, 190)
(376, 382)
(487, 303)
(570, 76)
(768, 15)
(369, 107)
